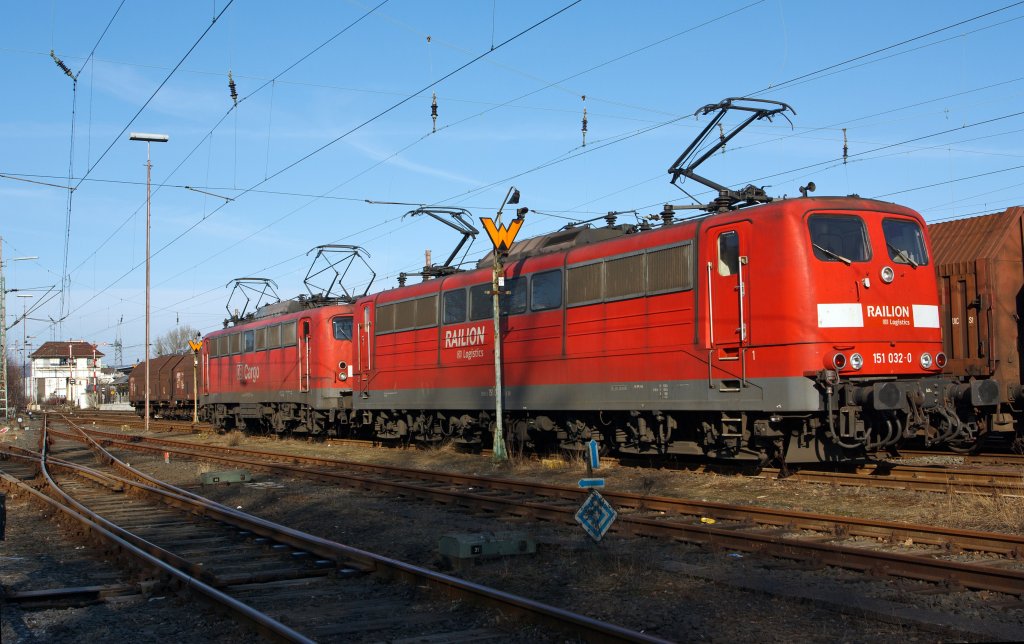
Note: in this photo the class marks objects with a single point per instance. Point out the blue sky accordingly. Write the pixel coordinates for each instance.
(328, 119)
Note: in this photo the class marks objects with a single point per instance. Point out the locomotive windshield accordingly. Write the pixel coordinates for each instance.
(839, 238)
(905, 242)
(342, 328)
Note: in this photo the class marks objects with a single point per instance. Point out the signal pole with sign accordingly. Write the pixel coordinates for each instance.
(195, 345)
(502, 239)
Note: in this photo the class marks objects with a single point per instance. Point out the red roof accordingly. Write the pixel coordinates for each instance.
(78, 349)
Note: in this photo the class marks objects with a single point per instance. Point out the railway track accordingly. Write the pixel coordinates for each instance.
(286, 584)
(964, 479)
(970, 559)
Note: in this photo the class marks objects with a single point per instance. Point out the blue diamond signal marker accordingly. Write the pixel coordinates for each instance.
(596, 515)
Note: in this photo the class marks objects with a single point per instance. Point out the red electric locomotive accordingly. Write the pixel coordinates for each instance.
(804, 329)
(285, 368)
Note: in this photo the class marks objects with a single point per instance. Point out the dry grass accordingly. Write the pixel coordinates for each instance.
(991, 512)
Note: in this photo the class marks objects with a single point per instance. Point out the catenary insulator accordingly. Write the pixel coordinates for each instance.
(231, 86)
(433, 110)
(60, 63)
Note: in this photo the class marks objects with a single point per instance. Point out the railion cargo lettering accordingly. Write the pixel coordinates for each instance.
(895, 315)
(246, 373)
(887, 311)
(465, 337)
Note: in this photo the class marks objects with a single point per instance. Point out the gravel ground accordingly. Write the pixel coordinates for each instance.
(673, 591)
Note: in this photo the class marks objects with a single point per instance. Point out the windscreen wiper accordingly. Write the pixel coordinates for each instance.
(902, 253)
(836, 255)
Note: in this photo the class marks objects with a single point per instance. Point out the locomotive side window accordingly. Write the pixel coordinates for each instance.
(385, 318)
(222, 346)
(839, 238)
(405, 315)
(546, 291)
(234, 345)
(670, 269)
(584, 284)
(274, 336)
(342, 328)
(261, 339)
(454, 306)
(480, 304)
(426, 311)
(728, 253)
(515, 301)
(624, 277)
(288, 334)
(248, 341)
(905, 242)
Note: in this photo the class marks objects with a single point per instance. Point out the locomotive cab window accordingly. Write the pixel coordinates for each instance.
(513, 300)
(839, 238)
(480, 302)
(905, 242)
(248, 341)
(342, 328)
(454, 303)
(728, 253)
(546, 291)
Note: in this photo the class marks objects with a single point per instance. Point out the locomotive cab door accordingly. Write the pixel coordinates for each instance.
(305, 352)
(727, 323)
(363, 338)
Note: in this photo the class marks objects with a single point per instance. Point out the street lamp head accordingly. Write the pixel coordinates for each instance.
(149, 138)
(515, 197)
(23, 295)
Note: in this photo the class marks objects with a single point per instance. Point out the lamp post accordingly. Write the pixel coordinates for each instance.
(24, 339)
(148, 138)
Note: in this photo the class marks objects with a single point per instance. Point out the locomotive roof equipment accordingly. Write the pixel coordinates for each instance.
(342, 254)
(728, 199)
(459, 222)
(260, 286)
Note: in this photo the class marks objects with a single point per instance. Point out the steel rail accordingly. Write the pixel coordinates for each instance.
(772, 541)
(1006, 482)
(586, 627)
(949, 538)
(99, 528)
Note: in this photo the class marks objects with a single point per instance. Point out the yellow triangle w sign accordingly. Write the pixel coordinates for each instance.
(503, 237)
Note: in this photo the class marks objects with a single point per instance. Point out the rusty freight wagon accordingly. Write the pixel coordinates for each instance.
(171, 389)
(980, 265)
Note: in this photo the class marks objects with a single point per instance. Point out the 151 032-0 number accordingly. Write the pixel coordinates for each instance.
(893, 358)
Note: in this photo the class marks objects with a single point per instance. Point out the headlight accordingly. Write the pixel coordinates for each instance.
(926, 361)
(857, 361)
(343, 365)
(343, 377)
(940, 360)
(888, 275)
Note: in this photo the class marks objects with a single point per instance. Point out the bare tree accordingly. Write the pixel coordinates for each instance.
(175, 341)
(16, 398)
